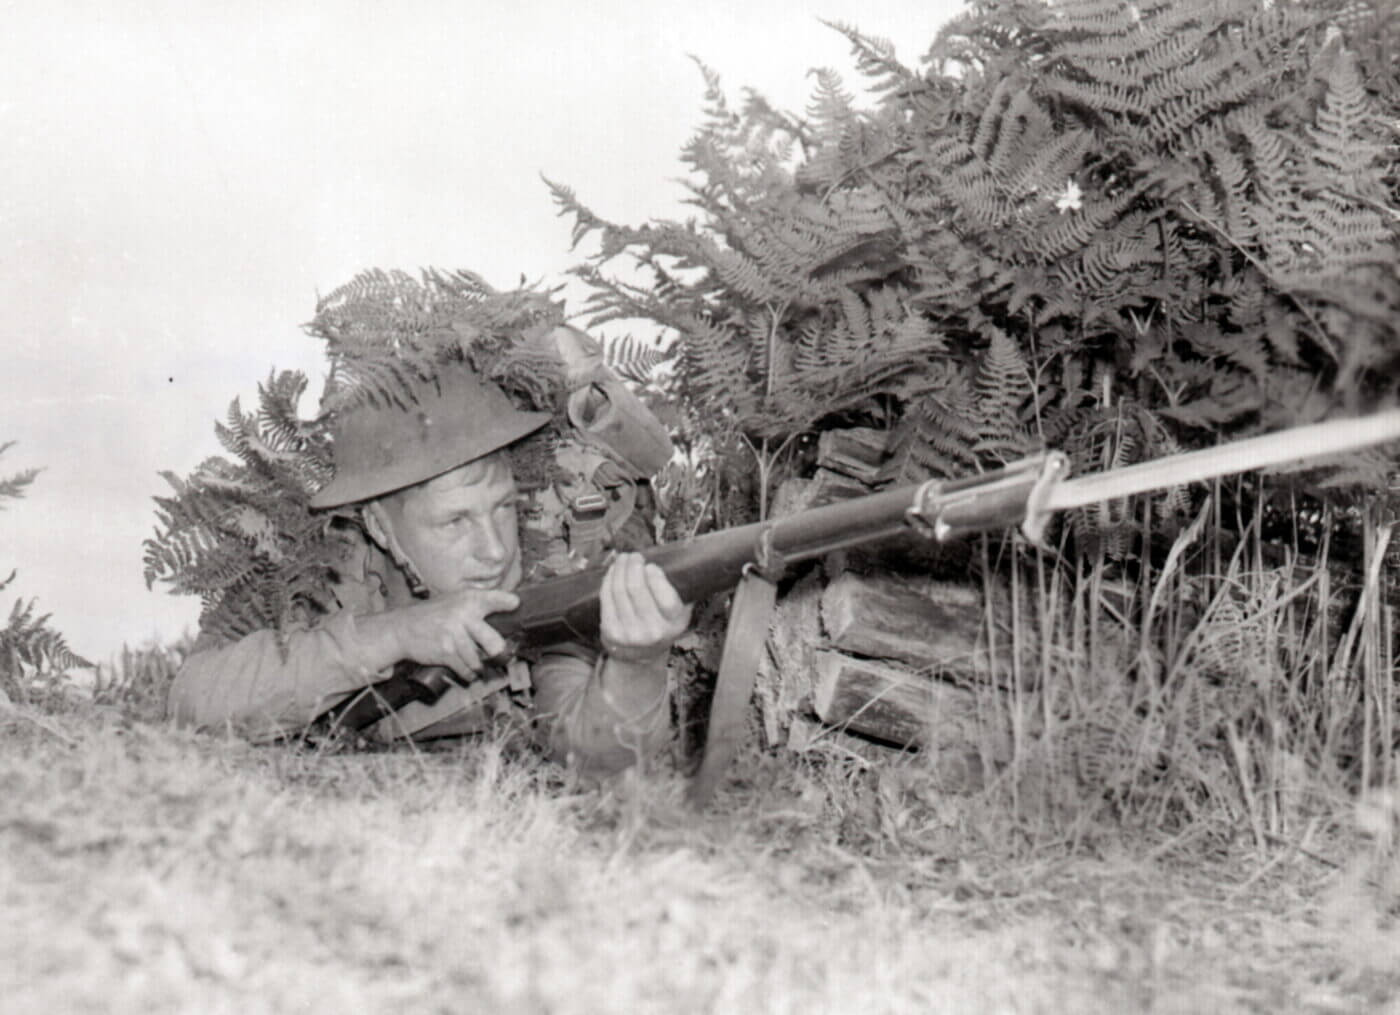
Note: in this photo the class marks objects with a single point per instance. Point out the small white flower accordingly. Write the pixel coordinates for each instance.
(1071, 200)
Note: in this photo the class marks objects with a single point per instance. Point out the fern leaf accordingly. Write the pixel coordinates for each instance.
(636, 360)
(14, 486)
(1003, 386)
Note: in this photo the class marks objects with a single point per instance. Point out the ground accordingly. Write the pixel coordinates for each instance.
(145, 869)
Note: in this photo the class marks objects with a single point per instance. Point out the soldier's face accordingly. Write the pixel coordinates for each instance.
(459, 529)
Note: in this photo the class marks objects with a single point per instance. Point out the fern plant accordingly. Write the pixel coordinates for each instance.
(32, 652)
(1075, 214)
(787, 307)
(240, 533)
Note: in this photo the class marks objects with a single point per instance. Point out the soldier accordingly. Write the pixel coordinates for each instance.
(437, 501)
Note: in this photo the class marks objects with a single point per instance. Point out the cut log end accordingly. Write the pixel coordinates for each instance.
(891, 703)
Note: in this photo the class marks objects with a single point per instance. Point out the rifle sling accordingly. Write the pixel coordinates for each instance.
(747, 634)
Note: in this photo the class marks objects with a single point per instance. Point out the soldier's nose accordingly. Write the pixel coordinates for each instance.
(492, 547)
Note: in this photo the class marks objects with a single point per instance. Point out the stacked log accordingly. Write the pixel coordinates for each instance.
(890, 655)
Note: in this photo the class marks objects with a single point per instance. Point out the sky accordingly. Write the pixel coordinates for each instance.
(181, 179)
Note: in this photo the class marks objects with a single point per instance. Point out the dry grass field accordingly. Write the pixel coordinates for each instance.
(147, 870)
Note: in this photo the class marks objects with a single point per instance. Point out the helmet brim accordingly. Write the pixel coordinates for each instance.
(379, 449)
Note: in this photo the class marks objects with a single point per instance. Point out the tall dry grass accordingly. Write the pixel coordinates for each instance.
(1231, 684)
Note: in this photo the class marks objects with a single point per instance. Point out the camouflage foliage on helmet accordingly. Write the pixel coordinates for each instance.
(241, 535)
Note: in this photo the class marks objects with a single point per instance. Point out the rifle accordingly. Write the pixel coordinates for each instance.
(567, 608)
(1025, 494)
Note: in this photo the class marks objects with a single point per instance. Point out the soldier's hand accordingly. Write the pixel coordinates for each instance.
(451, 630)
(641, 613)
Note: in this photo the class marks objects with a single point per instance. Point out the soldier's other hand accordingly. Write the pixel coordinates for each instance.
(451, 630)
(641, 613)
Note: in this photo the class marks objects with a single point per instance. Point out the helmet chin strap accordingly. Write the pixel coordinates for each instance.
(416, 585)
(383, 534)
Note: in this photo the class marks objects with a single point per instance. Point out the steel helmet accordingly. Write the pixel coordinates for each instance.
(382, 448)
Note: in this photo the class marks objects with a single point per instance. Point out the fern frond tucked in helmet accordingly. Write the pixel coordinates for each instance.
(384, 330)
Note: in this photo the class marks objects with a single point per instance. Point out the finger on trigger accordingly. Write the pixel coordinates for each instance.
(470, 659)
(488, 639)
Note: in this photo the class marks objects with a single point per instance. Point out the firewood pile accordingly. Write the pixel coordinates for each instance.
(871, 644)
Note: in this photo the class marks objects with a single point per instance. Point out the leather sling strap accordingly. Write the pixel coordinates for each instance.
(738, 666)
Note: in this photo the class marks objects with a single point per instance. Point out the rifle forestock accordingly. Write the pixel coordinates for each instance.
(567, 608)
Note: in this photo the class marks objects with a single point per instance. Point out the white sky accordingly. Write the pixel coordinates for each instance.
(180, 180)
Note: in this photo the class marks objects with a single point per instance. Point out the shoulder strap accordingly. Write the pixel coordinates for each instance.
(749, 615)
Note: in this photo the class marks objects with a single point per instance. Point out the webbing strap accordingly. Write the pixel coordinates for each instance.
(738, 666)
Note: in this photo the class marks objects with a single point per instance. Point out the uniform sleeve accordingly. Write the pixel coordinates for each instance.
(594, 717)
(262, 690)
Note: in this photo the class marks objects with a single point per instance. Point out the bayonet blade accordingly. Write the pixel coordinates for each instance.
(1317, 440)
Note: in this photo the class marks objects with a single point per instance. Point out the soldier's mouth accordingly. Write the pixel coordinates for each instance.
(496, 580)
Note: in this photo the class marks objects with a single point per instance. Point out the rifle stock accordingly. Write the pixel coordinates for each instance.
(567, 608)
